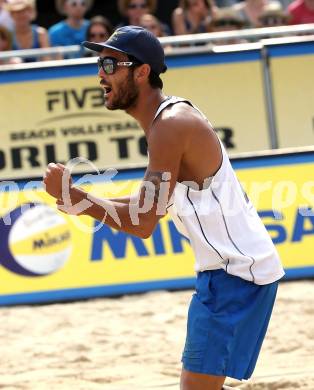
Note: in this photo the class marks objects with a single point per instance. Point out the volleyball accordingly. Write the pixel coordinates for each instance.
(35, 240)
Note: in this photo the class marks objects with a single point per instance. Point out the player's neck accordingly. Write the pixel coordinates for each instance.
(146, 107)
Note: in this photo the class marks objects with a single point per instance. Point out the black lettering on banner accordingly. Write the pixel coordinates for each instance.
(31, 156)
(98, 128)
(97, 97)
(25, 135)
(52, 98)
(226, 134)
(90, 148)
(79, 100)
(2, 159)
(14, 136)
(68, 99)
(131, 126)
(51, 156)
(142, 145)
(74, 130)
(123, 147)
(51, 133)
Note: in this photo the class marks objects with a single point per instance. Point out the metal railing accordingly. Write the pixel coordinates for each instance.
(253, 34)
(177, 41)
(42, 52)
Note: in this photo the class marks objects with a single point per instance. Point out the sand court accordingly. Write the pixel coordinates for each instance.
(136, 342)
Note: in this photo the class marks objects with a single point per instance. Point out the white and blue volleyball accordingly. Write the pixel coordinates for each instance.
(35, 240)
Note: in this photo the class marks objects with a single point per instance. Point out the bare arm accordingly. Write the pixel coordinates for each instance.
(124, 199)
(139, 216)
(43, 41)
(178, 25)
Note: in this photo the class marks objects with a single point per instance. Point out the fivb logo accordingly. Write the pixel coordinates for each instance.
(37, 242)
(74, 99)
(113, 37)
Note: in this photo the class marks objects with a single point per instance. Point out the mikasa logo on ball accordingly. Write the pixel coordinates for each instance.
(38, 241)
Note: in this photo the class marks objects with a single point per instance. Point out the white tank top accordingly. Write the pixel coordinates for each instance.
(222, 225)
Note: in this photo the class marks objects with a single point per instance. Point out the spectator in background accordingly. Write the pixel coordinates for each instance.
(273, 16)
(5, 39)
(156, 27)
(132, 10)
(6, 45)
(301, 12)
(152, 24)
(99, 30)
(226, 19)
(72, 30)
(250, 11)
(191, 16)
(25, 34)
(5, 17)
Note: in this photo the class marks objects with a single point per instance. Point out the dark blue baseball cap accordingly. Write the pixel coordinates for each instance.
(137, 42)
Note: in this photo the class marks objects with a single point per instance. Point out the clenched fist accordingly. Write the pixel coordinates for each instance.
(57, 180)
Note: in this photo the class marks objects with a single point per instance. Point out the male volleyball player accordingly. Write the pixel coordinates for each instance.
(188, 175)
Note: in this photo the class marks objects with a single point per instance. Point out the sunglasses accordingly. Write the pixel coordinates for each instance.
(97, 35)
(273, 21)
(76, 3)
(226, 22)
(110, 65)
(140, 6)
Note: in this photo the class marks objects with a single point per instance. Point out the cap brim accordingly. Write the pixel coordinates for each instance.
(99, 46)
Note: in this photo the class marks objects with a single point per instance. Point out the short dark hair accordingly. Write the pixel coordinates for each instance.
(154, 80)
(123, 6)
(100, 20)
(186, 4)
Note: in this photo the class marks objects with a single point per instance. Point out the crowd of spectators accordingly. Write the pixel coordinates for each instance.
(18, 30)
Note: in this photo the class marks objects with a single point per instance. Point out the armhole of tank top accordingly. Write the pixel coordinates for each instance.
(218, 139)
(222, 154)
(160, 104)
(15, 45)
(195, 108)
(168, 105)
(36, 42)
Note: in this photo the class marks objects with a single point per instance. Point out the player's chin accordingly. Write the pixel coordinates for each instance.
(107, 104)
(111, 105)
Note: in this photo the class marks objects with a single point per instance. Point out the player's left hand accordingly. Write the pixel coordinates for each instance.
(57, 180)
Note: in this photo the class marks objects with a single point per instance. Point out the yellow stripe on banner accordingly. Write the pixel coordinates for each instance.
(44, 242)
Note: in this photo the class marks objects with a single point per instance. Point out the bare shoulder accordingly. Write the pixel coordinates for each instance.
(181, 110)
(182, 119)
(41, 30)
(177, 12)
(176, 127)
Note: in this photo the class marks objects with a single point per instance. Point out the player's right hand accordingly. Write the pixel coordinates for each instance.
(57, 180)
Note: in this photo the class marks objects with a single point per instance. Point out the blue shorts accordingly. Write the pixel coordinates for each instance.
(227, 322)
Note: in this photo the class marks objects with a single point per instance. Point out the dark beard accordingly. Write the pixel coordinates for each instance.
(127, 94)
